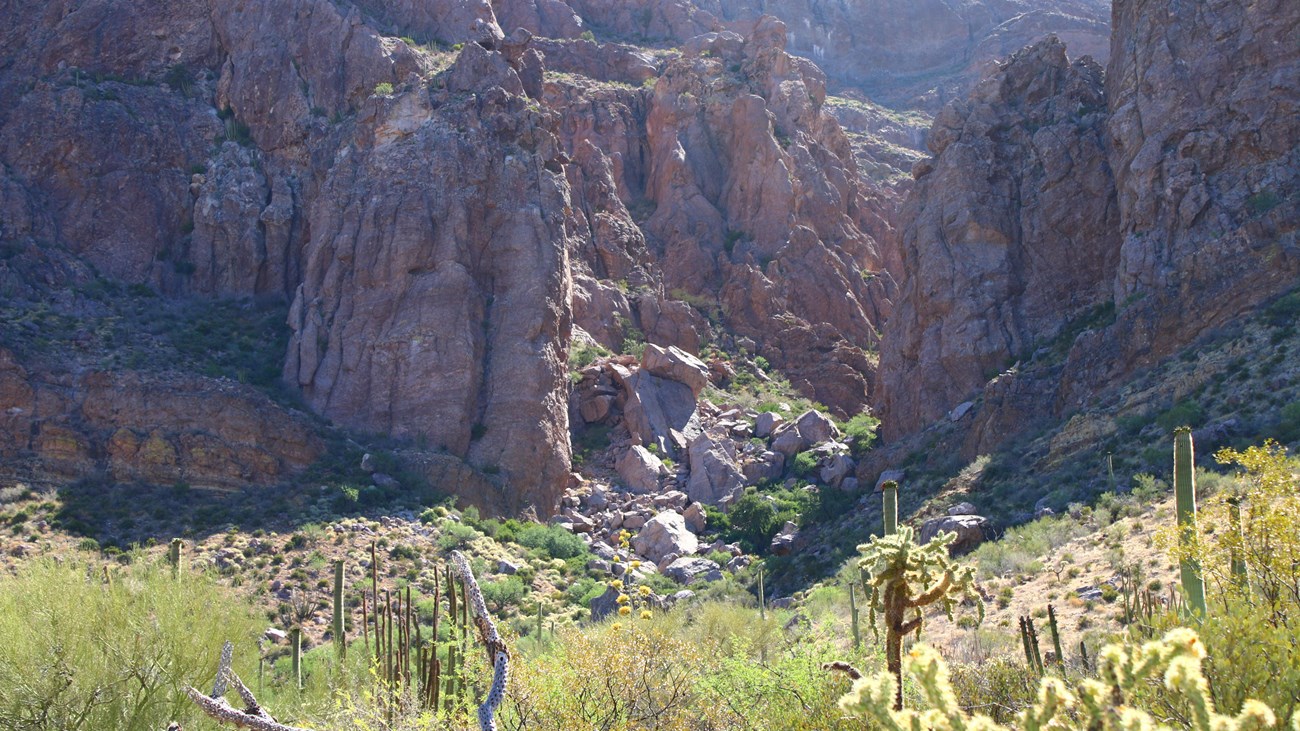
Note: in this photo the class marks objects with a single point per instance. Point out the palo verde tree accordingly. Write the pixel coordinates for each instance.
(903, 578)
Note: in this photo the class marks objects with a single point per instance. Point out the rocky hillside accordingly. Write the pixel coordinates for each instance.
(1073, 229)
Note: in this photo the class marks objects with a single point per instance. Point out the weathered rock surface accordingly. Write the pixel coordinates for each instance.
(969, 529)
(676, 364)
(665, 534)
(690, 569)
(155, 429)
(1012, 233)
(715, 475)
(641, 470)
(1180, 201)
(454, 284)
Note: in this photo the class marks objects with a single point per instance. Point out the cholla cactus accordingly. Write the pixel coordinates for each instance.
(904, 577)
(1094, 704)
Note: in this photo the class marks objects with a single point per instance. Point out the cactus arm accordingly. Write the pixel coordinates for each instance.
(1185, 499)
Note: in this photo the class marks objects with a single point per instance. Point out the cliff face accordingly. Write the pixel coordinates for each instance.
(1179, 214)
(435, 296)
(1012, 232)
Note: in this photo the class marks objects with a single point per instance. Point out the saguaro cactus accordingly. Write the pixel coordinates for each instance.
(340, 636)
(295, 646)
(1185, 498)
(890, 491)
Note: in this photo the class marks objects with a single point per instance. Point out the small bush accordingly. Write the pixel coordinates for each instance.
(551, 540)
(383, 89)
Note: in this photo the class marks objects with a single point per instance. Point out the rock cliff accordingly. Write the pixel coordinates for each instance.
(1178, 215)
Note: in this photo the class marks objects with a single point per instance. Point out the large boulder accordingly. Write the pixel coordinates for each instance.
(765, 466)
(676, 364)
(658, 411)
(695, 518)
(689, 569)
(640, 470)
(664, 534)
(714, 473)
(766, 423)
(816, 427)
(969, 530)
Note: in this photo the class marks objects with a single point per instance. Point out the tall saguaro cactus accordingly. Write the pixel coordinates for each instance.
(890, 490)
(1185, 499)
(340, 636)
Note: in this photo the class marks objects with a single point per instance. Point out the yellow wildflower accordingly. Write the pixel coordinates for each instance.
(622, 598)
(624, 610)
(645, 614)
(645, 591)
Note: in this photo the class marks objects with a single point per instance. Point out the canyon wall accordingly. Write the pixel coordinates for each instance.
(1179, 215)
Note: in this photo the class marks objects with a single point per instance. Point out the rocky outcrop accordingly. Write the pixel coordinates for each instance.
(1201, 165)
(1012, 233)
(715, 477)
(438, 309)
(152, 428)
(1207, 188)
(665, 534)
(641, 470)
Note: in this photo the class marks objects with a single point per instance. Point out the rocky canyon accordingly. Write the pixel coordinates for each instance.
(234, 234)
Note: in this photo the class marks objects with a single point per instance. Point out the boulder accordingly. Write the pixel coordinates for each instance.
(969, 530)
(640, 470)
(664, 534)
(605, 604)
(675, 364)
(655, 408)
(834, 469)
(962, 509)
(767, 466)
(689, 569)
(788, 441)
(714, 473)
(816, 427)
(694, 517)
(784, 541)
(766, 423)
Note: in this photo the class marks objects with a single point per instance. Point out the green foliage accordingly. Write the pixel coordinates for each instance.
(755, 518)
(80, 654)
(587, 35)
(805, 464)
(1022, 546)
(507, 592)
(863, 430)
(383, 89)
(1288, 427)
(551, 540)
(456, 536)
(585, 354)
(1184, 413)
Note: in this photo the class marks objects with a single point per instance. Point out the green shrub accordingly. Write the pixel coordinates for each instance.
(1184, 413)
(551, 540)
(383, 89)
(79, 654)
(455, 536)
(805, 464)
(863, 430)
(507, 592)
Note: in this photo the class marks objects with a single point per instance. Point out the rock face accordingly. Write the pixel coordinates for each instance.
(665, 534)
(641, 470)
(969, 529)
(137, 427)
(1012, 233)
(1174, 206)
(455, 284)
(714, 473)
